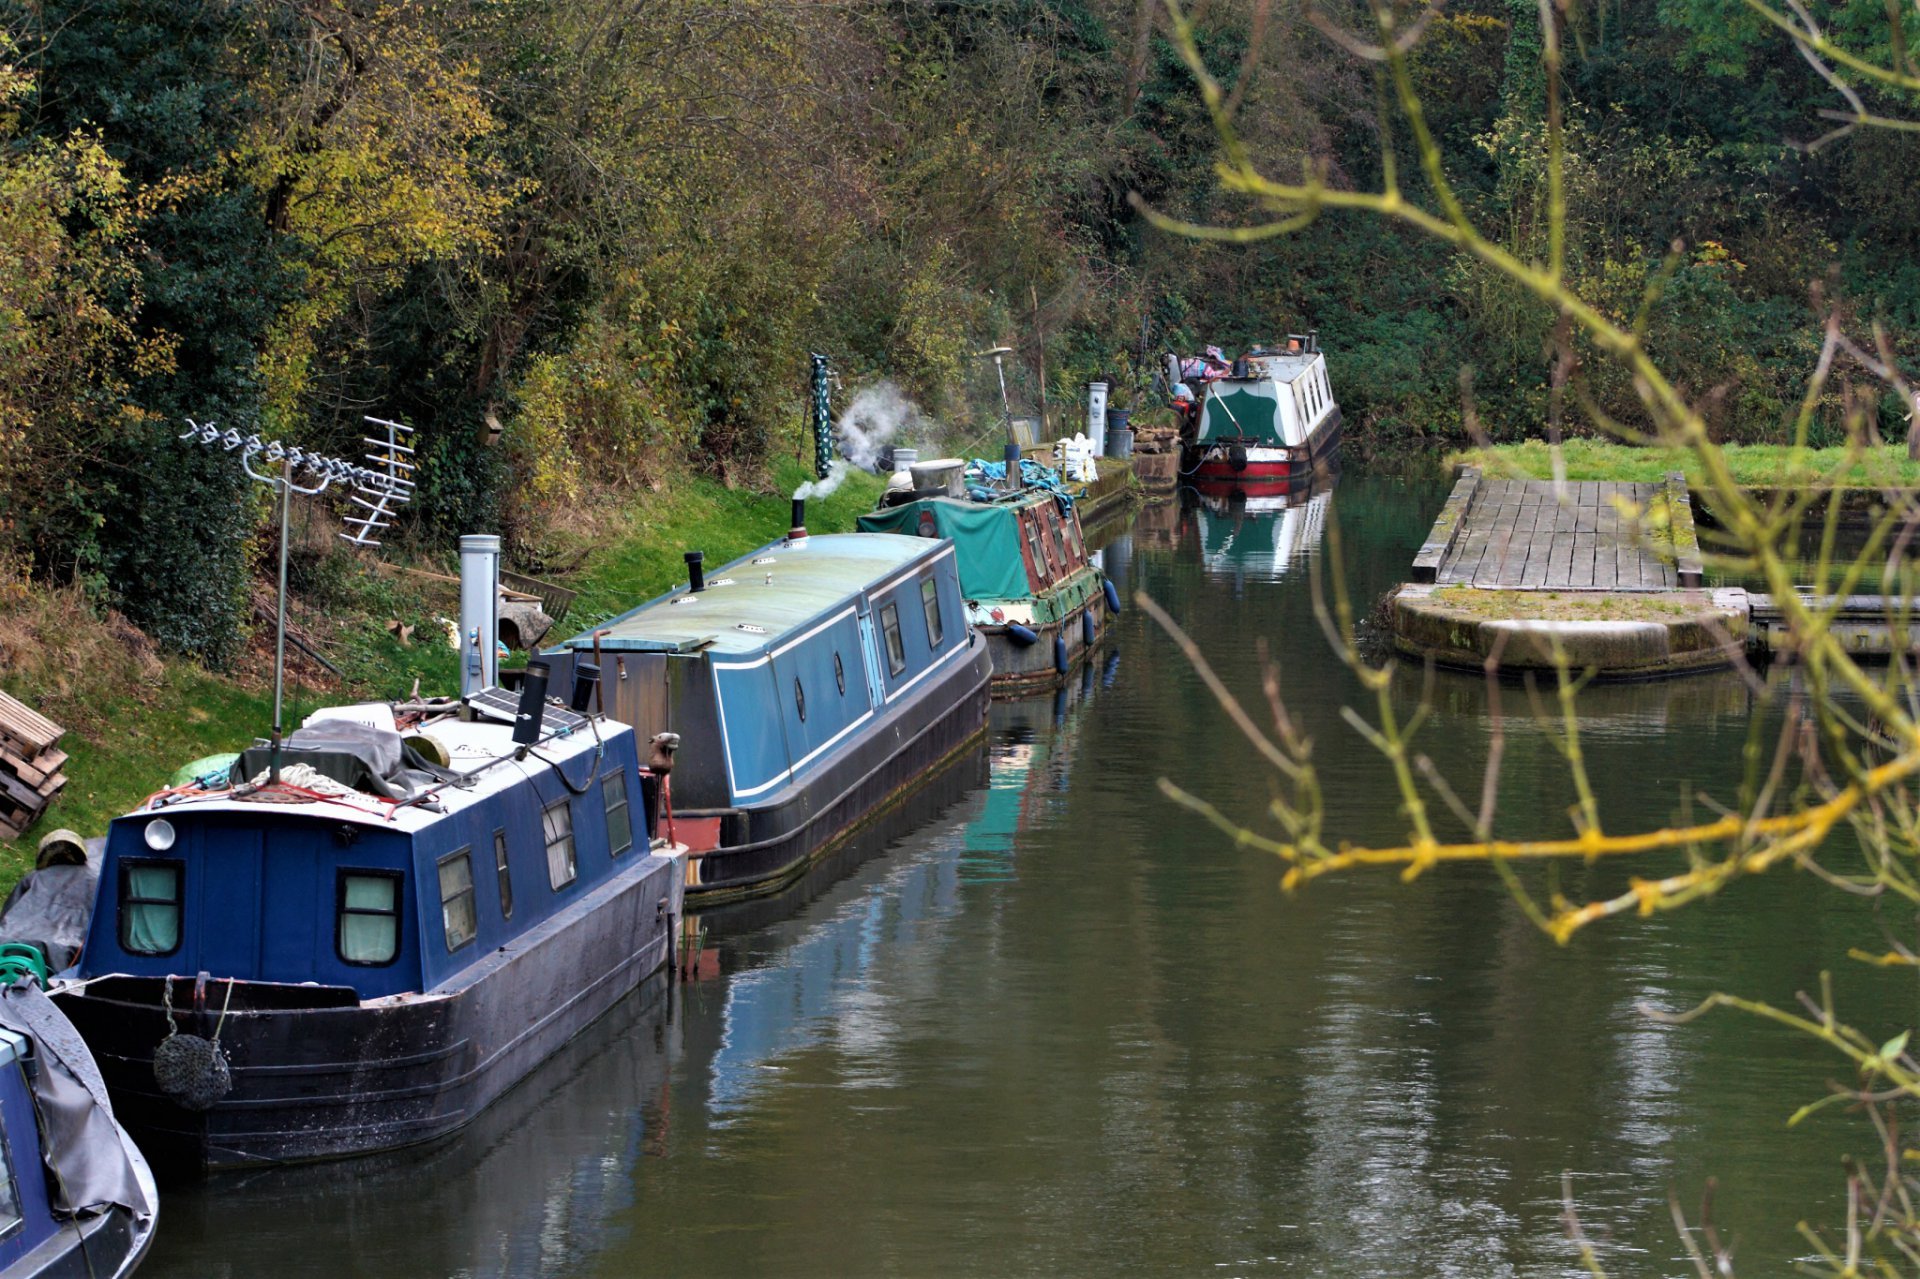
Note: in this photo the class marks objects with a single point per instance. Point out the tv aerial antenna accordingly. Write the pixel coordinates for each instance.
(380, 487)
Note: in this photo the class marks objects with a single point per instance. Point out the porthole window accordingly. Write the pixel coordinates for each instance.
(930, 605)
(839, 675)
(457, 915)
(367, 932)
(800, 699)
(150, 906)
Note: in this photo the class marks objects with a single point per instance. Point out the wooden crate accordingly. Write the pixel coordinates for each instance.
(30, 764)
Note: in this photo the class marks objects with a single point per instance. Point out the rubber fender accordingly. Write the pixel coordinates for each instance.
(1237, 458)
(1088, 631)
(1060, 654)
(1113, 595)
(1021, 635)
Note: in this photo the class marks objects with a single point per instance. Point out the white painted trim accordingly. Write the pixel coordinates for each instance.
(931, 668)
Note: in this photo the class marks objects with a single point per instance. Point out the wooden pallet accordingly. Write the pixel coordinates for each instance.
(30, 764)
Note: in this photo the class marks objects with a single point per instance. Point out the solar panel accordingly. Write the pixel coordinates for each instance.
(503, 707)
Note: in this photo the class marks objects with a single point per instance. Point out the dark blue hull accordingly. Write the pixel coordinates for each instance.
(319, 1075)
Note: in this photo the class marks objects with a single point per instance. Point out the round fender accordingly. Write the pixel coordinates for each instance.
(1021, 635)
(1060, 654)
(1237, 458)
(1113, 595)
(1088, 631)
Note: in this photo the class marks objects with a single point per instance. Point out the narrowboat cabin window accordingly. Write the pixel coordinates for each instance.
(150, 906)
(11, 1218)
(558, 822)
(896, 650)
(369, 926)
(506, 877)
(930, 604)
(613, 793)
(456, 899)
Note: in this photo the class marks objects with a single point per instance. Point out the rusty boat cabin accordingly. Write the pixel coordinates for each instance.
(377, 949)
(812, 682)
(1029, 583)
(1263, 425)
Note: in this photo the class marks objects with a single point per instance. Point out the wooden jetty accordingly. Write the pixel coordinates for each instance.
(1605, 576)
(1584, 535)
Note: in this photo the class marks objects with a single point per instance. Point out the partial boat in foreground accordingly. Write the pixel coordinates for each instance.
(813, 681)
(76, 1197)
(1262, 424)
(1025, 574)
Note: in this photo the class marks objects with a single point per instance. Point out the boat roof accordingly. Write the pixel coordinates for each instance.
(766, 595)
(13, 1046)
(1276, 366)
(471, 744)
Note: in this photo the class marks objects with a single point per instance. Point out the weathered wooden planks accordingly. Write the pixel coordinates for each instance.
(29, 765)
(1534, 535)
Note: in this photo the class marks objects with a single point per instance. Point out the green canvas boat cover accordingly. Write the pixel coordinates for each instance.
(986, 541)
(1242, 410)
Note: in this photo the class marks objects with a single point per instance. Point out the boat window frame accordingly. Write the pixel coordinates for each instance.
(503, 870)
(617, 777)
(550, 840)
(179, 902)
(11, 1184)
(930, 610)
(341, 910)
(1054, 523)
(895, 642)
(473, 909)
(1037, 538)
(1071, 522)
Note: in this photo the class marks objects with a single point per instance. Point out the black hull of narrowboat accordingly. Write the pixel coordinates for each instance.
(764, 848)
(324, 1082)
(1022, 669)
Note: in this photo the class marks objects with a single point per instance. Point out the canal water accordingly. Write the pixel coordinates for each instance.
(1041, 1022)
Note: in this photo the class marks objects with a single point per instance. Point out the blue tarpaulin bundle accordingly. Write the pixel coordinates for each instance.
(984, 479)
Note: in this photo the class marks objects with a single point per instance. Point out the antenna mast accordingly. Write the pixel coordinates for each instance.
(379, 489)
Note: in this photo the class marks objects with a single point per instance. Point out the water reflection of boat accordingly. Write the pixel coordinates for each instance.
(1260, 536)
(834, 972)
(536, 1185)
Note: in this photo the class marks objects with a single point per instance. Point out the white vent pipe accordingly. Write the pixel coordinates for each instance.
(479, 612)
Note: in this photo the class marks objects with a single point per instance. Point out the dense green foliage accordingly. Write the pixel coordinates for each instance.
(586, 245)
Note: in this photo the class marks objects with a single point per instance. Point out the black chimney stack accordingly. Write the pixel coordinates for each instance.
(799, 529)
(696, 577)
(533, 704)
(586, 682)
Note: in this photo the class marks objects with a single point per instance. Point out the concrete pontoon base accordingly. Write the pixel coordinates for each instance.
(1616, 636)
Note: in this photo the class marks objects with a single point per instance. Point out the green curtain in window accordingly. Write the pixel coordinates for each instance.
(153, 925)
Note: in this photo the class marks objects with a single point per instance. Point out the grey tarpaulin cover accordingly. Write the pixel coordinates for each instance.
(369, 759)
(52, 907)
(93, 1159)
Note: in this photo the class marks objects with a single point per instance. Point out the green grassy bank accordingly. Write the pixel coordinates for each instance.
(1753, 465)
(134, 716)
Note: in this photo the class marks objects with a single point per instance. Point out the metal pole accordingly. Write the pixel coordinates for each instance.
(280, 620)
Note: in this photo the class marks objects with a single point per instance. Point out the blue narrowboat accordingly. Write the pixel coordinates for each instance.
(812, 682)
(76, 1196)
(363, 944)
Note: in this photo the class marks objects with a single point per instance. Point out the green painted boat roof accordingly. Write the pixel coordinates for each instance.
(765, 595)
